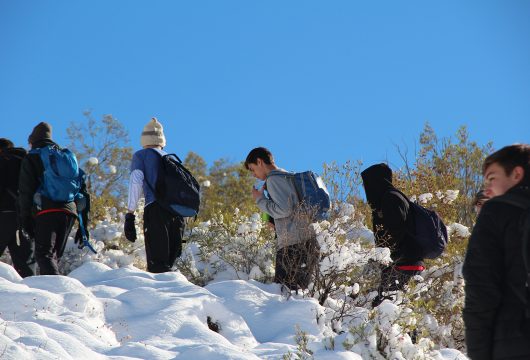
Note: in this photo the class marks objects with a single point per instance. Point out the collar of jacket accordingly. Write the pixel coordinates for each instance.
(42, 143)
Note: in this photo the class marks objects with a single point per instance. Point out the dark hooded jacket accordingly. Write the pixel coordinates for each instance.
(494, 311)
(10, 161)
(31, 174)
(393, 223)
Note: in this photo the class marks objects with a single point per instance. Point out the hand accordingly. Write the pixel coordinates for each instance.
(78, 238)
(257, 194)
(28, 227)
(129, 228)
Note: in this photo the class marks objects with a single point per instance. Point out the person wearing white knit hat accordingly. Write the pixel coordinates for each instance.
(153, 134)
(163, 230)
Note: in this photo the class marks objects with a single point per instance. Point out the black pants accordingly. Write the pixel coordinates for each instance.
(21, 253)
(51, 232)
(163, 233)
(295, 264)
(392, 279)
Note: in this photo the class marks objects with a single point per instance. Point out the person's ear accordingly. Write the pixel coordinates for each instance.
(518, 173)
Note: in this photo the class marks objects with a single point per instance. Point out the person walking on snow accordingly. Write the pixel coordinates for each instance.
(297, 247)
(163, 230)
(40, 217)
(393, 227)
(20, 246)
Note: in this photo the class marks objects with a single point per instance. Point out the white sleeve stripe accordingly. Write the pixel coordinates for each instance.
(135, 189)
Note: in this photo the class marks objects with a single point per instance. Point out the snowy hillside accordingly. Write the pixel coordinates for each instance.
(98, 313)
(106, 308)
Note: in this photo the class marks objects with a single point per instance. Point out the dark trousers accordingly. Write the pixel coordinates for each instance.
(21, 252)
(163, 233)
(295, 264)
(392, 279)
(51, 232)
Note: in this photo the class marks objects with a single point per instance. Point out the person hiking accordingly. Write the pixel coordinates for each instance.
(496, 272)
(20, 246)
(296, 247)
(393, 226)
(46, 220)
(163, 230)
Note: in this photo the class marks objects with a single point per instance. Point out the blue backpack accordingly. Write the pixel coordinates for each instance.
(312, 194)
(61, 180)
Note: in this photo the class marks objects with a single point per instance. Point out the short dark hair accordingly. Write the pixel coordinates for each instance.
(509, 157)
(5, 144)
(259, 153)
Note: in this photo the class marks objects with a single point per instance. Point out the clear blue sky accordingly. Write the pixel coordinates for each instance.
(314, 81)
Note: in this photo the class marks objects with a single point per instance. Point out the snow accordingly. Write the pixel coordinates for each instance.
(106, 308)
(93, 161)
(101, 313)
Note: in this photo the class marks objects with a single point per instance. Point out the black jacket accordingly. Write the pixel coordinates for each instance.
(10, 161)
(31, 173)
(393, 223)
(494, 312)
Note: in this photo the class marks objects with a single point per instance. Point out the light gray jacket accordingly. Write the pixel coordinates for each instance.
(292, 226)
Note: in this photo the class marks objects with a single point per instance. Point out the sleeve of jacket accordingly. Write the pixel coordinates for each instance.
(395, 211)
(283, 198)
(27, 186)
(483, 284)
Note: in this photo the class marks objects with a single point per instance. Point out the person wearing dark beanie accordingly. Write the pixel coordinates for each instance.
(46, 220)
(43, 131)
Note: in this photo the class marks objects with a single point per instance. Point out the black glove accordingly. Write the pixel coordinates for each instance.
(78, 238)
(129, 228)
(28, 227)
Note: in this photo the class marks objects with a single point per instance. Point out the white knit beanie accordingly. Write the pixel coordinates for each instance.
(153, 134)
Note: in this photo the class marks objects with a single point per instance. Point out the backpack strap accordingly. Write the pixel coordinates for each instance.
(161, 158)
(83, 233)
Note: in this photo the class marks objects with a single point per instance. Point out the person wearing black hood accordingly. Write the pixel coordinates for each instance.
(20, 247)
(496, 268)
(393, 226)
(48, 222)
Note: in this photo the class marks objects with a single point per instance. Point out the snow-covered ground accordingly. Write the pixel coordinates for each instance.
(108, 309)
(97, 312)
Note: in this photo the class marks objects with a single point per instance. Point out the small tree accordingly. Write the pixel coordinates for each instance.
(103, 151)
(229, 187)
(446, 164)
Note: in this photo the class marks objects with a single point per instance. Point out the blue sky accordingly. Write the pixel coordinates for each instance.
(314, 81)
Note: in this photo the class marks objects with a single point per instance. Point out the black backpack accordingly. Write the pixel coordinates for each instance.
(430, 233)
(524, 224)
(176, 189)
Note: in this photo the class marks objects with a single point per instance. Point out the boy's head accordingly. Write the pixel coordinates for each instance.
(260, 161)
(506, 168)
